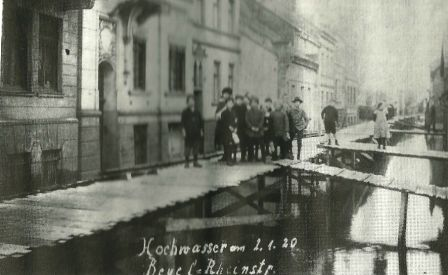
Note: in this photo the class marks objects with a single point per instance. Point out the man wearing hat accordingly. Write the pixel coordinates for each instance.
(330, 117)
(225, 94)
(300, 120)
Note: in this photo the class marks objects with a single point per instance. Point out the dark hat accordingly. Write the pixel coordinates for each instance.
(268, 99)
(238, 97)
(297, 99)
(227, 90)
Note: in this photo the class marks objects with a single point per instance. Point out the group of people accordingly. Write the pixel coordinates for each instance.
(257, 131)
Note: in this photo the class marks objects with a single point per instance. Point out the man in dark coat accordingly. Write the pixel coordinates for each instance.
(240, 111)
(268, 133)
(330, 117)
(229, 124)
(255, 130)
(192, 130)
(300, 120)
(225, 94)
(280, 129)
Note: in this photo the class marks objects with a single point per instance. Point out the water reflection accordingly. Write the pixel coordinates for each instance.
(354, 231)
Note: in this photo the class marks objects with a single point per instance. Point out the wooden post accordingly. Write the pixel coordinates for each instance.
(328, 179)
(354, 160)
(261, 185)
(403, 221)
(289, 179)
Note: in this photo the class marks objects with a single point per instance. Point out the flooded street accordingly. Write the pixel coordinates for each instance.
(357, 235)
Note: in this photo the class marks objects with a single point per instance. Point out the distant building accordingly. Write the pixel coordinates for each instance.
(149, 56)
(295, 45)
(39, 94)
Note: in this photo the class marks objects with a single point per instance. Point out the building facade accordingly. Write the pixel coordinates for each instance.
(39, 94)
(148, 57)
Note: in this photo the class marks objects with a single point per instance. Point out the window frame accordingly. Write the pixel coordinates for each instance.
(216, 80)
(231, 75)
(231, 16)
(182, 89)
(140, 83)
(33, 84)
(43, 89)
(216, 14)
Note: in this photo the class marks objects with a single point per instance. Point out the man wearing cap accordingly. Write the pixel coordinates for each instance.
(300, 120)
(225, 94)
(330, 117)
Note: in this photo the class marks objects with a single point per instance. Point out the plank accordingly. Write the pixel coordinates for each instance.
(329, 170)
(173, 225)
(353, 175)
(390, 151)
(416, 132)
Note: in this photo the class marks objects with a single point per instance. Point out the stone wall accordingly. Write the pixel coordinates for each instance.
(37, 155)
(39, 130)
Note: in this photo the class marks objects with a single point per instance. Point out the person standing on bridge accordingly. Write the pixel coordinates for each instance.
(381, 128)
(280, 129)
(192, 130)
(330, 117)
(229, 123)
(255, 130)
(300, 120)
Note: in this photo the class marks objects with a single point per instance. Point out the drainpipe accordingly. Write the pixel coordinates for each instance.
(159, 88)
(79, 90)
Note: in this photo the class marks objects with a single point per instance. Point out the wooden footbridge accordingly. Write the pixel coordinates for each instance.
(350, 175)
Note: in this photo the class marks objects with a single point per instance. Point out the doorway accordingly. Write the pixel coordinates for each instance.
(109, 117)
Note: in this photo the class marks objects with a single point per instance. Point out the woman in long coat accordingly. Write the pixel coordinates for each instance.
(381, 128)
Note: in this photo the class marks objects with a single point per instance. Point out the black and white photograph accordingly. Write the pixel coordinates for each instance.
(223, 137)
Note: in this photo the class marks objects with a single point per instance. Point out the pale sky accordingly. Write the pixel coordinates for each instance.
(398, 40)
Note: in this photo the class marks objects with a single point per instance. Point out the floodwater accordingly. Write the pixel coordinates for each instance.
(355, 231)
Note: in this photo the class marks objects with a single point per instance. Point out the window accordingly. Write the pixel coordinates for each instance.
(231, 75)
(15, 57)
(49, 32)
(216, 80)
(197, 77)
(139, 49)
(177, 68)
(140, 144)
(216, 14)
(202, 11)
(231, 15)
(31, 60)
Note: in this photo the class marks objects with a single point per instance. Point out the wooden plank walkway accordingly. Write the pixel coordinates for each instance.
(352, 176)
(390, 151)
(50, 218)
(416, 132)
